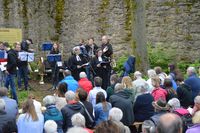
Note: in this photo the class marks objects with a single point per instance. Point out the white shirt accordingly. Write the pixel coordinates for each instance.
(100, 59)
(25, 124)
(93, 93)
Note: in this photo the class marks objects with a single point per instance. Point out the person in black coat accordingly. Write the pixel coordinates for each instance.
(11, 70)
(100, 65)
(184, 92)
(108, 53)
(54, 66)
(82, 96)
(70, 109)
(77, 63)
(121, 99)
(143, 108)
(91, 47)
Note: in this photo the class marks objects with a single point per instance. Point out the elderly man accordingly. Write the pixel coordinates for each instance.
(169, 123)
(196, 105)
(50, 127)
(121, 100)
(78, 120)
(84, 83)
(115, 115)
(11, 106)
(151, 73)
(138, 80)
(70, 81)
(52, 113)
(70, 109)
(193, 81)
(77, 62)
(7, 122)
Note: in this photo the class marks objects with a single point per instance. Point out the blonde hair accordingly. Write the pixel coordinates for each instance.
(29, 108)
(196, 118)
(127, 82)
(155, 81)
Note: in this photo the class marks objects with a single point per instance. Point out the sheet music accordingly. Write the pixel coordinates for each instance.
(59, 63)
(26, 56)
(3, 66)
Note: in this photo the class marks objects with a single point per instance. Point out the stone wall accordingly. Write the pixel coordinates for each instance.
(67, 21)
(175, 24)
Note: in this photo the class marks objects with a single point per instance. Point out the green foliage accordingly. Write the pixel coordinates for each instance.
(119, 64)
(22, 96)
(34, 66)
(6, 8)
(159, 56)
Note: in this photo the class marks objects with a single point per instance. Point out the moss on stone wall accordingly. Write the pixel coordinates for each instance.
(59, 10)
(6, 9)
(103, 25)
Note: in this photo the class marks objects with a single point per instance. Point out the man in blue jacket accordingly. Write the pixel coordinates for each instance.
(193, 81)
(70, 81)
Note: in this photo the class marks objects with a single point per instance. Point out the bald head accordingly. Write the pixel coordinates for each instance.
(169, 123)
(104, 39)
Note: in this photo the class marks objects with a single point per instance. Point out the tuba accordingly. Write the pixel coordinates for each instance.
(41, 70)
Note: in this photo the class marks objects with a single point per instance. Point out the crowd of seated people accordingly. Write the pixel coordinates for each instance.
(85, 107)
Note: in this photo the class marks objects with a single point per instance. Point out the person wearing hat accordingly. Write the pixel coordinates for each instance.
(160, 108)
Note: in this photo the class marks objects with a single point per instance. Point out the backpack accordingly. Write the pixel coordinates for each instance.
(185, 117)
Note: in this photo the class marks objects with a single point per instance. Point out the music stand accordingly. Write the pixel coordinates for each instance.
(26, 56)
(47, 46)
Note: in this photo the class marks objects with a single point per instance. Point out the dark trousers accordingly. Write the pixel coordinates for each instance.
(55, 75)
(10, 82)
(22, 74)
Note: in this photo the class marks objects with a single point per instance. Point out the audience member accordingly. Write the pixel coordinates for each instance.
(60, 95)
(78, 120)
(114, 79)
(171, 93)
(50, 126)
(160, 74)
(77, 130)
(7, 122)
(84, 83)
(184, 92)
(101, 109)
(96, 89)
(120, 99)
(169, 123)
(52, 113)
(37, 104)
(11, 105)
(107, 127)
(193, 81)
(115, 115)
(29, 121)
(82, 96)
(151, 73)
(196, 105)
(196, 121)
(160, 108)
(148, 127)
(143, 108)
(138, 79)
(70, 109)
(70, 81)
(158, 92)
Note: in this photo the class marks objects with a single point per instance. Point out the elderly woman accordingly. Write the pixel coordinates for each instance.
(151, 73)
(78, 120)
(52, 113)
(115, 115)
(196, 122)
(29, 121)
(143, 108)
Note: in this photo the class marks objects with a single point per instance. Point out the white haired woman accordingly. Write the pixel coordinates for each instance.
(196, 122)
(50, 126)
(52, 113)
(115, 115)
